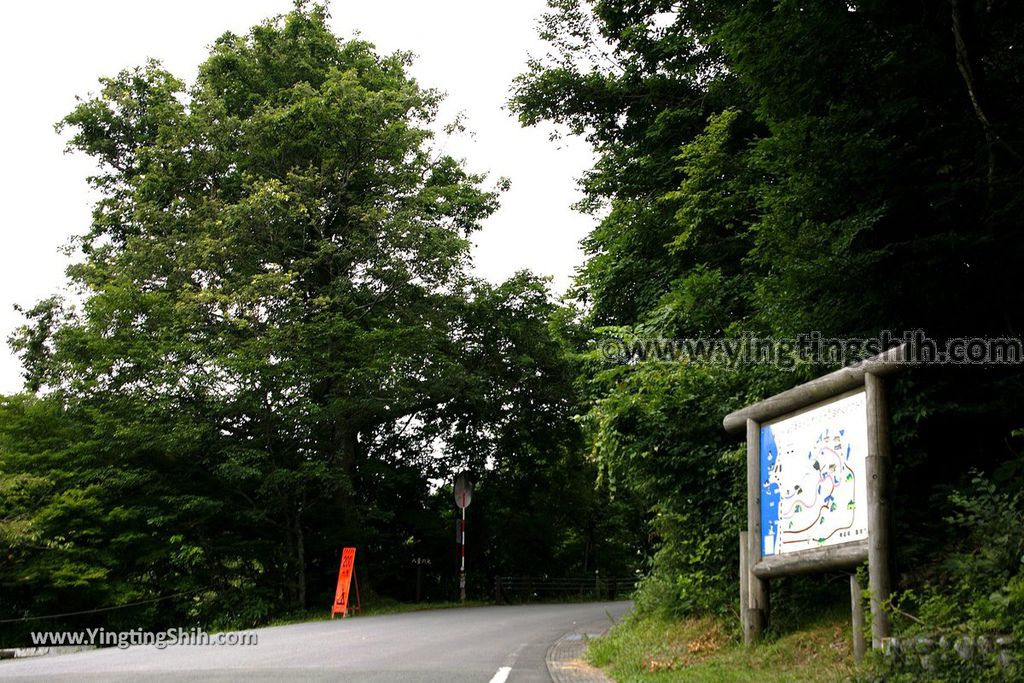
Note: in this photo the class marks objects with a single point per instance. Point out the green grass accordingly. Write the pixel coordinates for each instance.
(653, 649)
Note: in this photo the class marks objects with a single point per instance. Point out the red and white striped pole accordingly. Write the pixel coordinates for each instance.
(462, 569)
(463, 495)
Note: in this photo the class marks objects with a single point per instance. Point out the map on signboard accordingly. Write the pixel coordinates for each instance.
(813, 489)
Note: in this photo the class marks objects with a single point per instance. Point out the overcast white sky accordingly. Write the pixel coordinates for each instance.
(472, 49)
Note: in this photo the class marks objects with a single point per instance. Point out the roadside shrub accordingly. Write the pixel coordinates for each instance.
(967, 623)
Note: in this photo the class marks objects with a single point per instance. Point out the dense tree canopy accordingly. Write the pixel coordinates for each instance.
(780, 168)
(278, 348)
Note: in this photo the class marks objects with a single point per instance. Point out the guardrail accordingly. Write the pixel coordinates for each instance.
(524, 588)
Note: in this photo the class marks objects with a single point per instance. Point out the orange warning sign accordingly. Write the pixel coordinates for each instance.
(348, 563)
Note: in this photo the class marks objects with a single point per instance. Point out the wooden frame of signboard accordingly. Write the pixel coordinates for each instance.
(756, 569)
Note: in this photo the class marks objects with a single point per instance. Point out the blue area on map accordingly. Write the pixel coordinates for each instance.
(769, 492)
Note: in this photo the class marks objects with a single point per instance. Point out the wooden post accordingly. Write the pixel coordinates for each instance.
(857, 620)
(744, 584)
(757, 610)
(877, 469)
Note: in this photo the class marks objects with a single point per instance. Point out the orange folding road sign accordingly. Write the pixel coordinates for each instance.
(348, 563)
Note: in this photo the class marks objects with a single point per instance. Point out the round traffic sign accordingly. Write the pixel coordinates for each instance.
(463, 491)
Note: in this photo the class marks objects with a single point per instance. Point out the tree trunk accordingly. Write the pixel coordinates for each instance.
(346, 439)
(296, 545)
(300, 558)
(588, 541)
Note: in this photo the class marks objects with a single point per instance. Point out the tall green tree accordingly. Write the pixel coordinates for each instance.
(271, 278)
(278, 351)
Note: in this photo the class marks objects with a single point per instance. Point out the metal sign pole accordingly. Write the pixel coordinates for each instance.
(462, 569)
(463, 495)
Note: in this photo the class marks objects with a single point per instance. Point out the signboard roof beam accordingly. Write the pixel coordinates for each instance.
(817, 390)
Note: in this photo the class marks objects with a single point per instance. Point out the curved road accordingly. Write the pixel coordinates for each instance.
(476, 644)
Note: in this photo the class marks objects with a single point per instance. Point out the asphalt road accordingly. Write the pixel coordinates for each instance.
(478, 644)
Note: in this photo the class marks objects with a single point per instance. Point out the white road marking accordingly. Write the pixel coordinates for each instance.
(501, 675)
